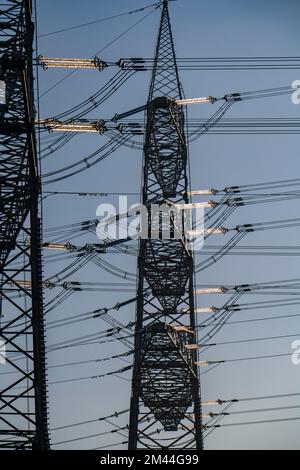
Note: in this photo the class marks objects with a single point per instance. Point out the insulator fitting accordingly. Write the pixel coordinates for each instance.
(244, 228)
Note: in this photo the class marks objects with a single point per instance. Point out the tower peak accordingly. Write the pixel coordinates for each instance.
(165, 79)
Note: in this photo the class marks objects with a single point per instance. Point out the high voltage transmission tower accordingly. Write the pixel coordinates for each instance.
(165, 383)
(165, 405)
(23, 401)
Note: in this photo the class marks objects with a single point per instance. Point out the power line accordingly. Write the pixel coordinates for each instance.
(116, 414)
(264, 421)
(99, 20)
(76, 379)
(110, 43)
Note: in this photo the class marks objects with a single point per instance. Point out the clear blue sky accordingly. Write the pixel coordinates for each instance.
(201, 28)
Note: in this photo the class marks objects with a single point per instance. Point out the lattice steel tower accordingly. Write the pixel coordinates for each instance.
(23, 404)
(165, 401)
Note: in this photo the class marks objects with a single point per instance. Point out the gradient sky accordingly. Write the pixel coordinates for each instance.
(201, 28)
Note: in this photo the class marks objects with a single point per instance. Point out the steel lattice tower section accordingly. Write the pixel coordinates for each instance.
(165, 401)
(23, 401)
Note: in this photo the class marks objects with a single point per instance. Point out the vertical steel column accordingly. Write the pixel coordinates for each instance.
(23, 399)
